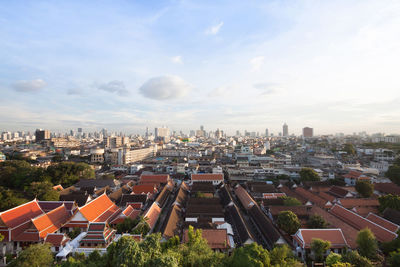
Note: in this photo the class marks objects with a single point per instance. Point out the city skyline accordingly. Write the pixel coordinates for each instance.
(327, 65)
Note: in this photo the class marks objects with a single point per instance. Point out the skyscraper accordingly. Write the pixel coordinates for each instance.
(162, 134)
(266, 132)
(285, 131)
(42, 135)
(308, 132)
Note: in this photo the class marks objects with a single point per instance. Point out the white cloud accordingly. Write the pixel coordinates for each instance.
(165, 87)
(267, 88)
(114, 87)
(29, 86)
(256, 63)
(177, 60)
(213, 30)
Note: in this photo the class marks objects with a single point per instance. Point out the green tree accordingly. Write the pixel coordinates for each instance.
(367, 244)
(288, 222)
(389, 201)
(333, 258)
(364, 188)
(38, 255)
(394, 258)
(142, 226)
(319, 247)
(252, 255)
(308, 174)
(291, 201)
(393, 173)
(282, 256)
(9, 199)
(127, 225)
(349, 148)
(196, 251)
(43, 191)
(356, 259)
(316, 221)
(74, 233)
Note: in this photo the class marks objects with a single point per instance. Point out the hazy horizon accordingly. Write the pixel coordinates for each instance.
(232, 65)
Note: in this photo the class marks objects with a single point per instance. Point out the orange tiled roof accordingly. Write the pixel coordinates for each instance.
(152, 215)
(144, 189)
(352, 218)
(383, 222)
(56, 240)
(312, 197)
(101, 209)
(51, 221)
(244, 197)
(154, 178)
(216, 238)
(21, 214)
(349, 203)
(335, 236)
(208, 177)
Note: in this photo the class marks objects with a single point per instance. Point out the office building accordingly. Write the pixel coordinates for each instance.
(285, 131)
(42, 135)
(308, 132)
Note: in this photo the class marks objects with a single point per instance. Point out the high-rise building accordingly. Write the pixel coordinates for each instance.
(308, 132)
(79, 130)
(42, 135)
(162, 134)
(266, 132)
(285, 131)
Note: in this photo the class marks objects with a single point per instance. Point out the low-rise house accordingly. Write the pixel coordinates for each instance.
(57, 241)
(215, 178)
(217, 239)
(359, 222)
(339, 192)
(303, 238)
(245, 199)
(383, 222)
(151, 215)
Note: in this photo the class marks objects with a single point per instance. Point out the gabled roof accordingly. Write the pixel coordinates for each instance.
(239, 224)
(56, 240)
(208, 177)
(80, 197)
(216, 238)
(387, 188)
(244, 197)
(349, 203)
(128, 212)
(99, 183)
(47, 206)
(51, 221)
(16, 216)
(98, 233)
(335, 236)
(144, 189)
(338, 191)
(152, 215)
(172, 226)
(133, 198)
(352, 218)
(101, 209)
(312, 197)
(383, 222)
(154, 178)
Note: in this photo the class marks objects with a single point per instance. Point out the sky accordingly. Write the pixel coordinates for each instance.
(233, 65)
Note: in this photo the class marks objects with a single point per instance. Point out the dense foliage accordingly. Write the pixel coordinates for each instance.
(317, 222)
(364, 188)
(367, 244)
(319, 247)
(291, 201)
(308, 174)
(20, 182)
(393, 173)
(288, 222)
(195, 252)
(38, 255)
(389, 201)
